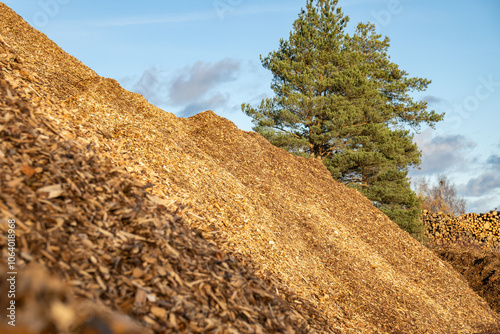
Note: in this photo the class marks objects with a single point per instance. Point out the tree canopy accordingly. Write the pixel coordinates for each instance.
(340, 99)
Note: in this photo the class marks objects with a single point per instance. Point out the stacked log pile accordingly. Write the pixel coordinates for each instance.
(437, 229)
(482, 230)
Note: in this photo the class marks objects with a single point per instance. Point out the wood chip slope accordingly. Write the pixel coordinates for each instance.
(324, 247)
(114, 249)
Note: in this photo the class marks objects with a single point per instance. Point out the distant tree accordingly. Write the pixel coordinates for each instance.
(338, 98)
(442, 197)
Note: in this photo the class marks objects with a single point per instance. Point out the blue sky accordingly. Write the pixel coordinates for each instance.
(192, 55)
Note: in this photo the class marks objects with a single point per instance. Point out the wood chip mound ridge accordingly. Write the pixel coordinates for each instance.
(192, 225)
(91, 224)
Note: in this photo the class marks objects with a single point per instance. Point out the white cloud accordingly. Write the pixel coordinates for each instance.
(485, 204)
(494, 160)
(192, 83)
(484, 184)
(216, 101)
(433, 100)
(191, 89)
(152, 86)
(443, 153)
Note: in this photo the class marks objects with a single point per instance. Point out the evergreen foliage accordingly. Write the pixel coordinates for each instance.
(340, 99)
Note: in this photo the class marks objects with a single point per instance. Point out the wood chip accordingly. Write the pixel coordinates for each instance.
(160, 313)
(27, 170)
(52, 191)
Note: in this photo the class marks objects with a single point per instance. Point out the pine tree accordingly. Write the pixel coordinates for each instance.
(340, 99)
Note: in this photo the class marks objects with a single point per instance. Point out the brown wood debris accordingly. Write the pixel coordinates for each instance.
(471, 244)
(481, 268)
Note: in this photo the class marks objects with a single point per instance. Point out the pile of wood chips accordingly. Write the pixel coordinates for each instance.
(45, 304)
(481, 268)
(167, 219)
(92, 225)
